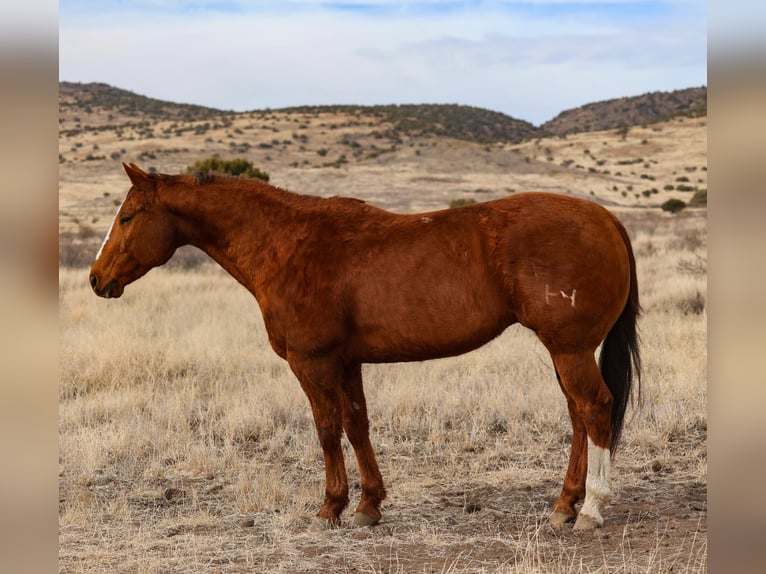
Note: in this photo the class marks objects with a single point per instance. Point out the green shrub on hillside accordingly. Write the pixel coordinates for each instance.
(699, 199)
(238, 167)
(460, 202)
(673, 205)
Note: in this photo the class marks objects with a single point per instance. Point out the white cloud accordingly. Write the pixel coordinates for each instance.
(525, 63)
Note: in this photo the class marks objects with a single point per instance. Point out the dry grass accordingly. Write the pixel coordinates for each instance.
(187, 445)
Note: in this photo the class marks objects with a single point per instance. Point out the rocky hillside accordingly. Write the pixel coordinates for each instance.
(627, 112)
(466, 123)
(116, 106)
(100, 104)
(121, 105)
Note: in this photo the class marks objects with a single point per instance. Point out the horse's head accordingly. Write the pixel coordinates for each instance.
(142, 236)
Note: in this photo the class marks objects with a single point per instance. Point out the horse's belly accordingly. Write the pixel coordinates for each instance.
(416, 333)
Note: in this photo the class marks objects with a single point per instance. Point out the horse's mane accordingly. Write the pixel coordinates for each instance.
(210, 179)
(205, 177)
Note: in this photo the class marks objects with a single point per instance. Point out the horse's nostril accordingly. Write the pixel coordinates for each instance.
(93, 280)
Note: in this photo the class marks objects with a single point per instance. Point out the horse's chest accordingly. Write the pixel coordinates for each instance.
(305, 329)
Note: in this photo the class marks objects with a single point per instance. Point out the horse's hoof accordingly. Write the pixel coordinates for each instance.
(586, 522)
(558, 519)
(362, 519)
(319, 524)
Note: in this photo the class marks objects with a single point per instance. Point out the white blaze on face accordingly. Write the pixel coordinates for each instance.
(598, 487)
(108, 233)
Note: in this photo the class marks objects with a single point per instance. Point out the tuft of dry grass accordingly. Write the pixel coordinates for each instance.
(186, 444)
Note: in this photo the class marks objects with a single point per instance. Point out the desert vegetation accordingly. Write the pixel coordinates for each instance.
(186, 445)
(238, 167)
(622, 113)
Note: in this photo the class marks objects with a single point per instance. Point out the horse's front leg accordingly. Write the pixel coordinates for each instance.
(321, 380)
(357, 427)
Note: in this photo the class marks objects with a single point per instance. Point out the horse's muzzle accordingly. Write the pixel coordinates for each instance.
(109, 291)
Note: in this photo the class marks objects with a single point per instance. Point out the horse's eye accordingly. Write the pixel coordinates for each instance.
(125, 218)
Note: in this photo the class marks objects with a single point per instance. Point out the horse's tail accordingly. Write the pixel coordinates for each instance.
(620, 357)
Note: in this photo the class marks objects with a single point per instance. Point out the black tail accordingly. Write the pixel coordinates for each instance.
(620, 357)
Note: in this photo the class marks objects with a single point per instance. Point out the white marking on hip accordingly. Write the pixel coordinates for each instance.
(572, 296)
(426, 219)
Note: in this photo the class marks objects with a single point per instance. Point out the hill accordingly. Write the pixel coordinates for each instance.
(123, 105)
(116, 106)
(406, 158)
(460, 122)
(104, 104)
(633, 111)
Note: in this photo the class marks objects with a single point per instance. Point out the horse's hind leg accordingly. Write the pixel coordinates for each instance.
(590, 405)
(357, 427)
(573, 490)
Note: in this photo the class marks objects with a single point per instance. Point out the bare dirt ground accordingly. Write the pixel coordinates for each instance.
(474, 526)
(187, 447)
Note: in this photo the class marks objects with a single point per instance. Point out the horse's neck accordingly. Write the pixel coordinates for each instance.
(238, 228)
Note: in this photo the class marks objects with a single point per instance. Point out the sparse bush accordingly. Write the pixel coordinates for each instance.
(460, 202)
(622, 131)
(238, 167)
(673, 205)
(699, 199)
(338, 162)
(695, 266)
(691, 304)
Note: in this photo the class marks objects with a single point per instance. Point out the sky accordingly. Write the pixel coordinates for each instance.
(530, 59)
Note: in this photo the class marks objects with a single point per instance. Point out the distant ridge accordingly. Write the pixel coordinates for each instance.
(125, 103)
(461, 122)
(444, 120)
(631, 111)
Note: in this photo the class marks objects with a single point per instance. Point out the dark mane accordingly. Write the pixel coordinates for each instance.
(200, 178)
(203, 178)
(206, 179)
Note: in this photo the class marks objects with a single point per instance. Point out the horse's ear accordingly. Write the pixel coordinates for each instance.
(138, 177)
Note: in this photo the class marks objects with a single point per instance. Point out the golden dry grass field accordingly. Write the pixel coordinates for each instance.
(186, 445)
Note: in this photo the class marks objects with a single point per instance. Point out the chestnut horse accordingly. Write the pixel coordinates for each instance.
(341, 283)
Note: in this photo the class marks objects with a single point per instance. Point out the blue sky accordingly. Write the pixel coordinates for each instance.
(530, 59)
